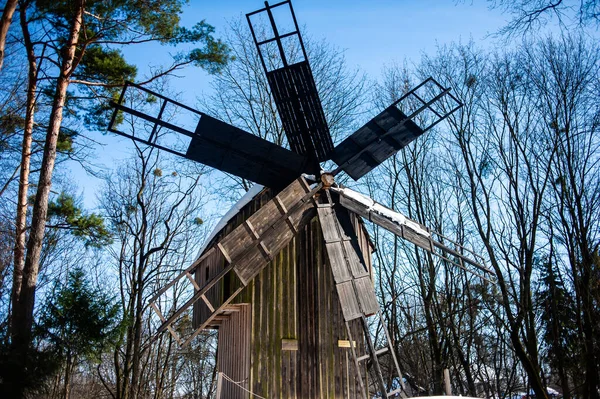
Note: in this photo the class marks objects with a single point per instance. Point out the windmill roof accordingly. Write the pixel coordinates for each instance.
(234, 210)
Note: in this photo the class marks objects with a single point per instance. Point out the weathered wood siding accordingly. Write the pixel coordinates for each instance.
(296, 321)
(234, 339)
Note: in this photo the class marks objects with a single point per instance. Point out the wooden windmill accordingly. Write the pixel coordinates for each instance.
(286, 278)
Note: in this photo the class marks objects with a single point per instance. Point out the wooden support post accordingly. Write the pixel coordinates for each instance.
(447, 385)
(162, 318)
(373, 354)
(356, 364)
(219, 384)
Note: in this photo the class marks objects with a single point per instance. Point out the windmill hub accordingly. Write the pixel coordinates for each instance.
(327, 179)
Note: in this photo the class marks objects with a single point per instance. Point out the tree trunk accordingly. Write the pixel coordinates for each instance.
(23, 309)
(68, 371)
(591, 361)
(7, 14)
(21, 218)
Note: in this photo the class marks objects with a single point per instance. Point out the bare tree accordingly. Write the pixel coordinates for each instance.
(566, 80)
(5, 21)
(529, 15)
(154, 214)
(504, 174)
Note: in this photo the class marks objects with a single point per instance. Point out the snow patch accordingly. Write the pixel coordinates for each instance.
(312, 178)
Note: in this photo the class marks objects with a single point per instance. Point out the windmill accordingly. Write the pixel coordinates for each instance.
(332, 298)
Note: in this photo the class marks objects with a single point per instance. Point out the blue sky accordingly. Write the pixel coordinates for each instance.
(372, 33)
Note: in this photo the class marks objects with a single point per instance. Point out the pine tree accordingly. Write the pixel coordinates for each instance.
(79, 324)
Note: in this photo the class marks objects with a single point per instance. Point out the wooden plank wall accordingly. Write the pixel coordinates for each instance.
(325, 370)
(294, 302)
(234, 338)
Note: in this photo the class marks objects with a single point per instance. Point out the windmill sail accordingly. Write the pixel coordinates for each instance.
(211, 142)
(410, 230)
(290, 78)
(393, 129)
(351, 277)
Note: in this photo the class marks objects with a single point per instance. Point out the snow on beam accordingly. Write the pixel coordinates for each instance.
(406, 228)
(389, 214)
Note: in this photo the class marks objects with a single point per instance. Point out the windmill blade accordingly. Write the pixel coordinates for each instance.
(352, 279)
(356, 295)
(410, 230)
(393, 129)
(244, 252)
(211, 142)
(290, 78)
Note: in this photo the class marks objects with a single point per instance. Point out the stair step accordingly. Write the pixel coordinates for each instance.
(382, 351)
(364, 357)
(377, 353)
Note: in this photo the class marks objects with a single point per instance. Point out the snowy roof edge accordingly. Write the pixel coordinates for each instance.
(242, 202)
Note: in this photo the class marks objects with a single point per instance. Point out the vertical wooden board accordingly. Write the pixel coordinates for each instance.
(328, 224)
(283, 309)
(264, 345)
(337, 261)
(328, 373)
(332, 324)
(234, 334)
(302, 362)
(366, 295)
(285, 378)
(348, 302)
(270, 332)
(314, 359)
(320, 338)
(258, 333)
(355, 263)
(277, 285)
(295, 315)
(309, 320)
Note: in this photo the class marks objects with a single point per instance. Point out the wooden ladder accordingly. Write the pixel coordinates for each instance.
(245, 251)
(374, 354)
(199, 294)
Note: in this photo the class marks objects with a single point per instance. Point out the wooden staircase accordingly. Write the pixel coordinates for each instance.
(244, 253)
